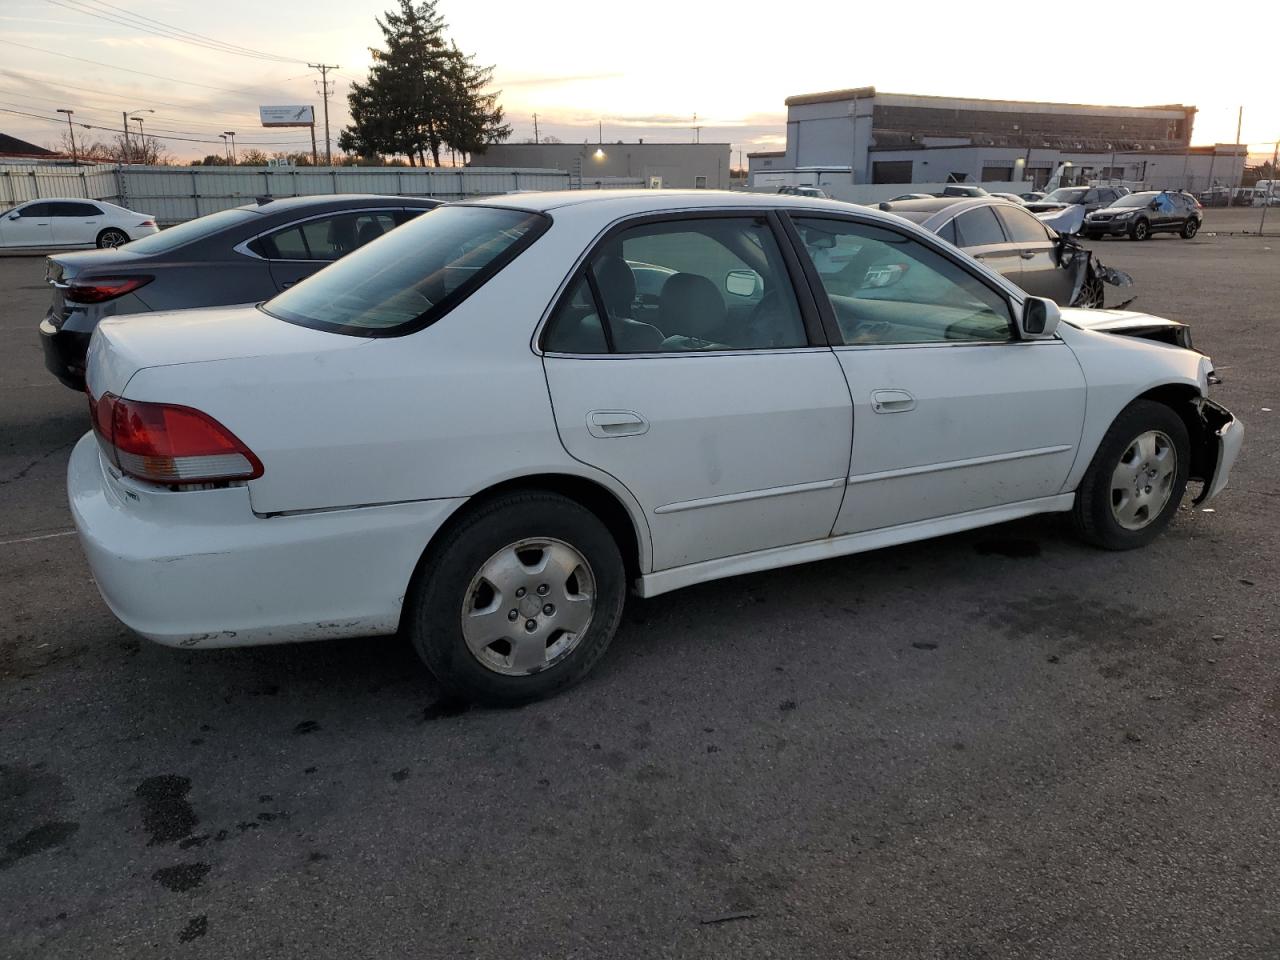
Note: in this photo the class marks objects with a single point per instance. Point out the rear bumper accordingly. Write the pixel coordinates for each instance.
(64, 353)
(200, 569)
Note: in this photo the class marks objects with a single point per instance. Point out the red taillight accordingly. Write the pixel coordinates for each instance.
(147, 223)
(100, 289)
(170, 444)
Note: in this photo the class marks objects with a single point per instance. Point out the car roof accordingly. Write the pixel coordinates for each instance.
(335, 201)
(626, 202)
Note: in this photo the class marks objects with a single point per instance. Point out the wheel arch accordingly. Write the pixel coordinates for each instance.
(624, 522)
(1185, 400)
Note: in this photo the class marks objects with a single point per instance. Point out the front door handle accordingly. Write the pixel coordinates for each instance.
(287, 284)
(1026, 255)
(616, 423)
(892, 401)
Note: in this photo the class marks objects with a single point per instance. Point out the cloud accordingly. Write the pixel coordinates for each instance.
(554, 81)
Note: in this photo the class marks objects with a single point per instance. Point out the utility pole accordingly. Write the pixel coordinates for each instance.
(1271, 188)
(599, 133)
(535, 128)
(324, 69)
(697, 130)
(1239, 121)
(75, 157)
(124, 117)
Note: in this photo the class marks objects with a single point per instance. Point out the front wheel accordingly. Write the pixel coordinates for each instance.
(519, 601)
(1190, 229)
(1136, 480)
(111, 238)
(1140, 231)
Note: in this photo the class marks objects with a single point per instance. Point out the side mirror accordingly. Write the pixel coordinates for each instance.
(743, 283)
(1040, 318)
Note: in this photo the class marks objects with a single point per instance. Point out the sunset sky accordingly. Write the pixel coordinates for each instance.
(643, 70)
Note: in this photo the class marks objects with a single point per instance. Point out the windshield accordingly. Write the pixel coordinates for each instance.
(198, 229)
(1068, 194)
(1134, 200)
(413, 275)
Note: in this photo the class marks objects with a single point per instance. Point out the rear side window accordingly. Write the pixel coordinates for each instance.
(414, 277)
(977, 228)
(37, 210)
(948, 231)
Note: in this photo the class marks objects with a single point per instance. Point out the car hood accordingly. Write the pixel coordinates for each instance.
(1128, 322)
(122, 346)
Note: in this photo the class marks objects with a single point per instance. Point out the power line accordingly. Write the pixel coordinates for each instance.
(169, 131)
(159, 28)
(111, 66)
(114, 130)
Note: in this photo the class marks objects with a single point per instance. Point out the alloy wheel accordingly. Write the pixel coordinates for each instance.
(528, 606)
(112, 239)
(1142, 481)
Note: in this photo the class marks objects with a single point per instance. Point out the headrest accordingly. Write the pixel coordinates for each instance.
(690, 306)
(617, 285)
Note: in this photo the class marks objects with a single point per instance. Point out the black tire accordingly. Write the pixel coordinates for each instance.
(1140, 231)
(1190, 228)
(434, 607)
(112, 237)
(1094, 518)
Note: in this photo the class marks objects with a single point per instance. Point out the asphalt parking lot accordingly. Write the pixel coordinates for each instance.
(1002, 744)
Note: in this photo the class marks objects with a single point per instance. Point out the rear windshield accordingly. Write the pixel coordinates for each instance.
(192, 230)
(1134, 200)
(412, 276)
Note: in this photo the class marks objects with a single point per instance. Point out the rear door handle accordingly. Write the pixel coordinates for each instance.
(892, 401)
(1027, 255)
(287, 284)
(616, 423)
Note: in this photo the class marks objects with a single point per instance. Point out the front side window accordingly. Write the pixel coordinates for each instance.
(37, 210)
(684, 286)
(978, 228)
(896, 290)
(68, 209)
(420, 273)
(1021, 226)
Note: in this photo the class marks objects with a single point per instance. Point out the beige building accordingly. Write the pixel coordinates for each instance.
(670, 165)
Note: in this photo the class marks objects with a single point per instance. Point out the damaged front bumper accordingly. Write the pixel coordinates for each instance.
(1220, 438)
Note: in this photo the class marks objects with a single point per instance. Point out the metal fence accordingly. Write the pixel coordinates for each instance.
(175, 194)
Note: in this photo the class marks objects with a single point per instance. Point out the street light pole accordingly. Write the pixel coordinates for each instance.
(226, 155)
(142, 139)
(75, 157)
(232, 135)
(125, 116)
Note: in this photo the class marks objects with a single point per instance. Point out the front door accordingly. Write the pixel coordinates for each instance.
(714, 405)
(29, 226)
(980, 235)
(952, 413)
(1041, 275)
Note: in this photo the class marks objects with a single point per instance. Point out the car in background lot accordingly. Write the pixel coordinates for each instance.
(1139, 215)
(962, 190)
(797, 191)
(1090, 198)
(241, 255)
(467, 430)
(71, 223)
(1031, 195)
(1011, 197)
(1009, 240)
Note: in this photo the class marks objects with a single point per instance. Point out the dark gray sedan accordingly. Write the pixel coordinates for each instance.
(241, 255)
(1016, 245)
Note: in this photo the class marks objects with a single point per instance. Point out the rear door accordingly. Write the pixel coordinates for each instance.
(76, 224)
(979, 234)
(30, 225)
(730, 426)
(1041, 275)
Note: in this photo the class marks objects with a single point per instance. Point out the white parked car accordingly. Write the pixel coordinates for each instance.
(475, 431)
(67, 222)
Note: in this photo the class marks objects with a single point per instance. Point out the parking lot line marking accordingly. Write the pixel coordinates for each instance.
(43, 536)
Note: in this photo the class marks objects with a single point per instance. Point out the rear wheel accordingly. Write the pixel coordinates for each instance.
(1190, 228)
(112, 237)
(519, 601)
(1140, 231)
(1136, 480)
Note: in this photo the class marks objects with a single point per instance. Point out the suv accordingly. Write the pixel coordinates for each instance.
(1091, 198)
(1139, 215)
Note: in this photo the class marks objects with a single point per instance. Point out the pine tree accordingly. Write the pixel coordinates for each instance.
(422, 94)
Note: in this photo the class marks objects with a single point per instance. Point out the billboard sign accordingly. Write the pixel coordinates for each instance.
(291, 116)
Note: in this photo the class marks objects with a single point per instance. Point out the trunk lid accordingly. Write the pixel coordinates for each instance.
(123, 346)
(60, 269)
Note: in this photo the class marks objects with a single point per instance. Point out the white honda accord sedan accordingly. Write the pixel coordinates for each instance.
(476, 431)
